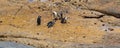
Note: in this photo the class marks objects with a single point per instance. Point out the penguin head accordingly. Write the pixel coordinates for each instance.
(65, 17)
(54, 12)
(39, 16)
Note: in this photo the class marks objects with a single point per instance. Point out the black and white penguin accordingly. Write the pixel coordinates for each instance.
(55, 15)
(60, 15)
(51, 23)
(39, 20)
(64, 20)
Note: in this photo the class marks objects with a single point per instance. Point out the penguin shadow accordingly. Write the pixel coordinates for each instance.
(50, 29)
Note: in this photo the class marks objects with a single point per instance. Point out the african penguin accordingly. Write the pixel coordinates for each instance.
(64, 20)
(51, 23)
(39, 20)
(60, 15)
(55, 15)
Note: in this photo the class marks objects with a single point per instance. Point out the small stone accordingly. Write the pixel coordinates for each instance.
(94, 42)
(84, 36)
(95, 23)
(103, 24)
(38, 7)
(37, 33)
(110, 29)
(28, 43)
(0, 21)
(13, 18)
(105, 29)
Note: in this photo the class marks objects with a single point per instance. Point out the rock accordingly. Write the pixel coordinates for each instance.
(111, 20)
(6, 44)
(90, 14)
(44, 0)
(109, 7)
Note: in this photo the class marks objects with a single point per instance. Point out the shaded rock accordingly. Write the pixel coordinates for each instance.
(109, 7)
(7, 44)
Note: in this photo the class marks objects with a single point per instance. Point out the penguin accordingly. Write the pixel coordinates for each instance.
(60, 15)
(39, 20)
(55, 15)
(51, 23)
(64, 20)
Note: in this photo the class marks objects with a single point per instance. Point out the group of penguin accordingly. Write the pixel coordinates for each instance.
(56, 16)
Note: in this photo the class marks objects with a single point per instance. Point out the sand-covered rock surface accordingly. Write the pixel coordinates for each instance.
(91, 23)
